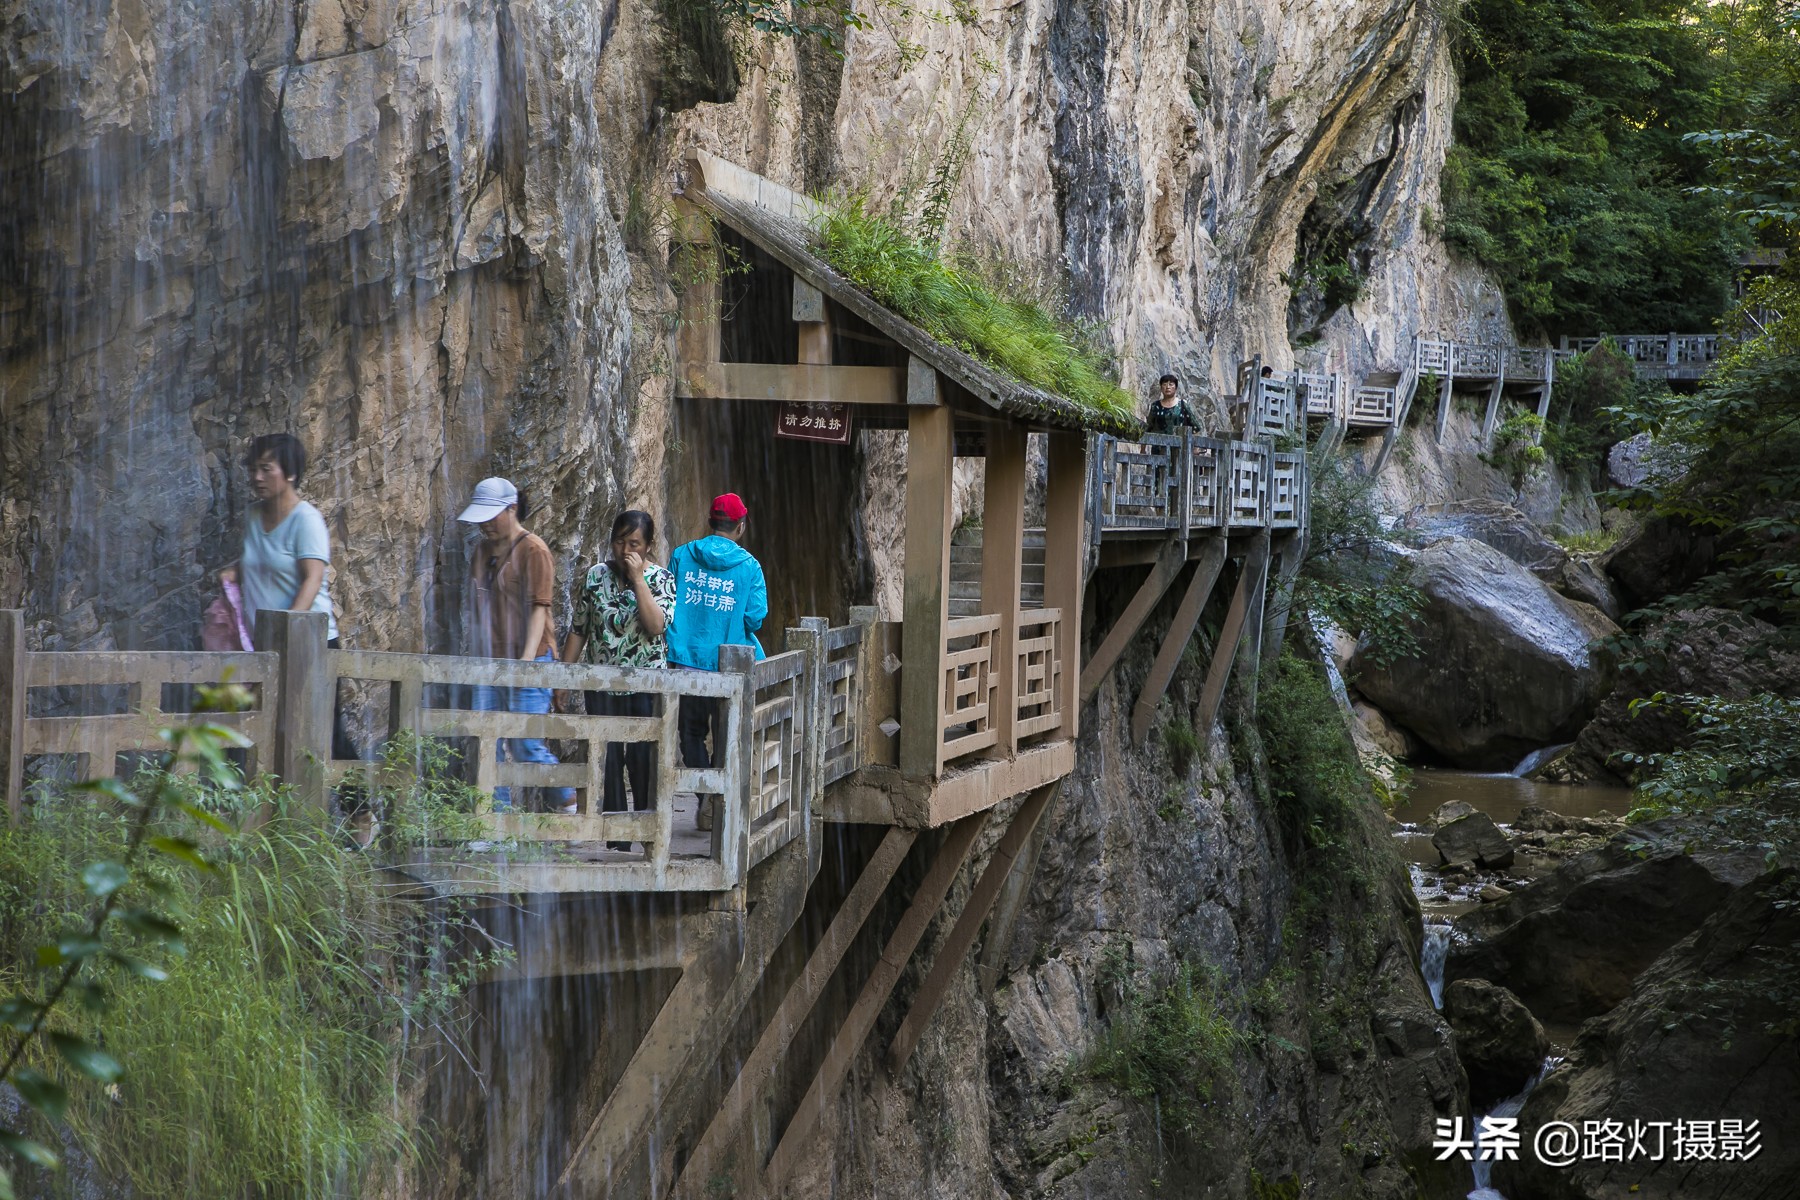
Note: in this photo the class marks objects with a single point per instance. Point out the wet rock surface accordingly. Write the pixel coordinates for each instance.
(1708, 652)
(1708, 1036)
(1474, 838)
(1570, 944)
(1504, 664)
(1500, 525)
(1500, 1044)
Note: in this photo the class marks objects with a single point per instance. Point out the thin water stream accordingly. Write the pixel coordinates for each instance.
(1503, 798)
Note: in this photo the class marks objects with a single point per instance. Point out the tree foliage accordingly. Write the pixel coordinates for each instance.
(1570, 178)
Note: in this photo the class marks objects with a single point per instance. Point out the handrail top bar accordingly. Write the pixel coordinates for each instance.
(453, 669)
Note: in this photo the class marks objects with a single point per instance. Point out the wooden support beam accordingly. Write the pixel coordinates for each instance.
(1168, 656)
(930, 458)
(805, 382)
(1289, 556)
(958, 841)
(1225, 653)
(1065, 559)
(1168, 564)
(691, 1027)
(962, 935)
(1002, 567)
(1249, 657)
(12, 711)
(1013, 894)
(1446, 388)
(796, 1005)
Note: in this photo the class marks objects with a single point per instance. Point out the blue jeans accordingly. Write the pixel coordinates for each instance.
(520, 700)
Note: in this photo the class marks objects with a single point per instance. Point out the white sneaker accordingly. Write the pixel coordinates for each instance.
(569, 809)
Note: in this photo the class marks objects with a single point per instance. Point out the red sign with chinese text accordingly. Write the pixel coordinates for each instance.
(813, 422)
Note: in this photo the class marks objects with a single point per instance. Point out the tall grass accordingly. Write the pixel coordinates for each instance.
(271, 1059)
(949, 301)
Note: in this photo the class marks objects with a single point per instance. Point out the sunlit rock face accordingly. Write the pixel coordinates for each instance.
(377, 224)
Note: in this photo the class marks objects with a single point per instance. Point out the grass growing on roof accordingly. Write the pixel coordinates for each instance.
(949, 301)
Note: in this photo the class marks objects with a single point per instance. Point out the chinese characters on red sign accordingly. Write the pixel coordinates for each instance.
(814, 422)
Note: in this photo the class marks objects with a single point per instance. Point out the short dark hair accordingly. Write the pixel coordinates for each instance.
(634, 520)
(722, 525)
(284, 448)
(1267, 371)
(1168, 379)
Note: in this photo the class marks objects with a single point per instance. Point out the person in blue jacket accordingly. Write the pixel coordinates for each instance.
(721, 599)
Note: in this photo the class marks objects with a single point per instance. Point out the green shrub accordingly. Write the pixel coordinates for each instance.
(269, 1061)
(950, 301)
(1315, 777)
(1169, 1043)
(1518, 452)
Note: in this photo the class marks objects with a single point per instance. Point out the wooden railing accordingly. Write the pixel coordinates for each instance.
(1209, 485)
(1372, 406)
(1137, 482)
(789, 725)
(966, 723)
(1230, 485)
(1325, 395)
(1247, 484)
(1038, 655)
(1287, 490)
(50, 701)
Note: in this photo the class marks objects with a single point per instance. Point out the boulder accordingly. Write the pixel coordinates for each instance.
(1505, 665)
(1570, 944)
(1500, 525)
(1640, 460)
(1706, 1035)
(1709, 652)
(1583, 580)
(1388, 737)
(1474, 838)
(1657, 558)
(1450, 810)
(1500, 1043)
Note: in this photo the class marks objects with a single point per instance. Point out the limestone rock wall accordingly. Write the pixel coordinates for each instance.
(379, 224)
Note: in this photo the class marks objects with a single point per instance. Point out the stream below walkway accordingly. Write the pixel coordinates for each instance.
(1504, 798)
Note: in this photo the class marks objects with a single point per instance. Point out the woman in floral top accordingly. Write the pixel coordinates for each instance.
(621, 619)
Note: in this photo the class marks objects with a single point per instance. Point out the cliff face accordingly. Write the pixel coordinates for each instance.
(430, 237)
(380, 225)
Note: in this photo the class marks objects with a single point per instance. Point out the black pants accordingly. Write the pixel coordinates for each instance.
(634, 759)
(701, 716)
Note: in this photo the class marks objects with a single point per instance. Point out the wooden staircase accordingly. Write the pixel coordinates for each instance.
(965, 571)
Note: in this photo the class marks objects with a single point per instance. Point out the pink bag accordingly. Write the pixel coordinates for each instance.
(222, 624)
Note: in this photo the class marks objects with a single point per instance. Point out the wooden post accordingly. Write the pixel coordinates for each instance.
(809, 638)
(930, 458)
(12, 711)
(308, 688)
(815, 328)
(1002, 547)
(947, 864)
(1064, 553)
(731, 824)
(962, 935)
(865, 617)
(1168, 656)
(796, 1004)
(697, 339)
(1445, 390)
(1493, 405)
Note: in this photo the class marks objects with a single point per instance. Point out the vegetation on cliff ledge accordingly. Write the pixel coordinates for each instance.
(954, 300)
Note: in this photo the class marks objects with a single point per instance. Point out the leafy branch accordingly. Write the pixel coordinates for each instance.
(78, 955)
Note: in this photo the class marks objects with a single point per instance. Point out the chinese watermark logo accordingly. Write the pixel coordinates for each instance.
(1563, 1143)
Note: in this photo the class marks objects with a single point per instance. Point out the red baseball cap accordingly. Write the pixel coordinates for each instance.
(729, 507)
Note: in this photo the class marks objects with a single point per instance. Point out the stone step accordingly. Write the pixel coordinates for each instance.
(1030, 594)
(971, 572)
(970, 535)
(1028, 554)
